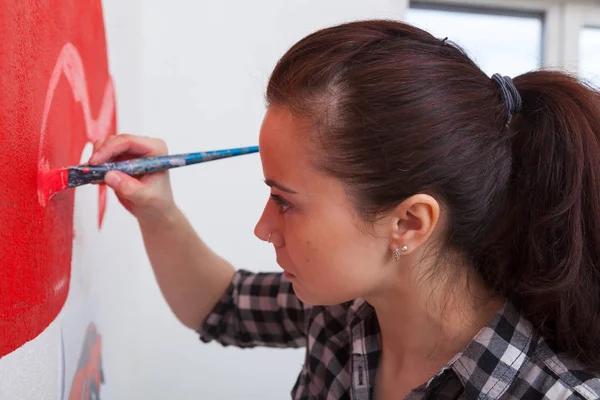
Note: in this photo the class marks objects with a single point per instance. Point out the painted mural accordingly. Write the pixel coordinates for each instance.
(56, 97)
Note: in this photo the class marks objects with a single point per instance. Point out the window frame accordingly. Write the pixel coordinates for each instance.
(578, 16)
(562, 22)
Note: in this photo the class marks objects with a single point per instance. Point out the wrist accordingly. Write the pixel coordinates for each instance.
(163, 218)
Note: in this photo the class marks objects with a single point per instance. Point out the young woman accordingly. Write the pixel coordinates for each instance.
(438, 229)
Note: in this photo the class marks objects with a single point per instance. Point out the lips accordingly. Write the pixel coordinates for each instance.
(288, 275)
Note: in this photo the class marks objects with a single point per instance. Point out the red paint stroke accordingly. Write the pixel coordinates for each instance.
(70, 64)
(56, 95)
(89, 375)
(51, 182)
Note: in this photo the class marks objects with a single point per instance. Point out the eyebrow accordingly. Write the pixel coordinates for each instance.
(272, 183)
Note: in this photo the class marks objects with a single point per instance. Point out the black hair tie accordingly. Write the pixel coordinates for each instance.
(510, 95)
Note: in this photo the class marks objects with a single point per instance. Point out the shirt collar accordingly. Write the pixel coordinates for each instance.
(359, 309)
(490, 363)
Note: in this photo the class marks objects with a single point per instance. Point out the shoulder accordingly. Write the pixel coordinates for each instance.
(510, 360)
(558, 376)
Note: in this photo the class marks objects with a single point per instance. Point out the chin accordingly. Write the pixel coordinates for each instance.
(315, 299)
(303, 296)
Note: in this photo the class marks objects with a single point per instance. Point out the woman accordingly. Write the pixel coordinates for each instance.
(439, 230)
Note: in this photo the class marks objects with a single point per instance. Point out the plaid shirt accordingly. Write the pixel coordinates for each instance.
(505, 360)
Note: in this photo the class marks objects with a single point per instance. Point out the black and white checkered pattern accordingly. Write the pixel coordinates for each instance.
(505, 360)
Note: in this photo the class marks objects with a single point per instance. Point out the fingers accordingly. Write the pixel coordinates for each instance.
(124, 185)
(144, 200)
(145, 196)
(126, 146)
(96, 145)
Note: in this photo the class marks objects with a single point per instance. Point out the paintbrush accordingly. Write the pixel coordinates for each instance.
(58, 179)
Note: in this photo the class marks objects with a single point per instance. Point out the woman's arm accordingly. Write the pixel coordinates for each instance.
(254, 309)
(191, 277)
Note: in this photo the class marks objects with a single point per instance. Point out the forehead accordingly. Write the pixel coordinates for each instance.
(284, 144)
(287, 152)
(281, 131)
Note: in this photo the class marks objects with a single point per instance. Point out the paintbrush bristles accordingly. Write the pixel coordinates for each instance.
(50, 182)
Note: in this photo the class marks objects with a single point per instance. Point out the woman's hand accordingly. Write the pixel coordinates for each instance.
(148, 197)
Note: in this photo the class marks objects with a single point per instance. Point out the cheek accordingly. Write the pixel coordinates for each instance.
(331, 261)
(303, 252)
(306, 240)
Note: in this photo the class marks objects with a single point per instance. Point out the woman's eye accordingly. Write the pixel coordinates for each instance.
(282, 204)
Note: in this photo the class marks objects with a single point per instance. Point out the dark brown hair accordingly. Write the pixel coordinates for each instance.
(401, 112)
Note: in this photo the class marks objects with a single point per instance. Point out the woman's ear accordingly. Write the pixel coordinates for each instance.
(413, 222)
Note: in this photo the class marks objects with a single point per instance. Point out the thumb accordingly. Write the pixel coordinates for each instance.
(124, 185)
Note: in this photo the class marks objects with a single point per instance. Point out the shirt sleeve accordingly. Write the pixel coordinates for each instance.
(257, 309)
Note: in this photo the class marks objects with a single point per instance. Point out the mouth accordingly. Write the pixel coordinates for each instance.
(288, 275)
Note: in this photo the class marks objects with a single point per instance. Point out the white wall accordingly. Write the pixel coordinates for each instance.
(194, 74)
(31, 372)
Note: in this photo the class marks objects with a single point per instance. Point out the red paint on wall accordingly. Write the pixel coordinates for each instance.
(89, 376)
(50, 182)
(55, 96)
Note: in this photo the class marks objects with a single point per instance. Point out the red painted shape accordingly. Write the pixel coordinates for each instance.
(56, 95)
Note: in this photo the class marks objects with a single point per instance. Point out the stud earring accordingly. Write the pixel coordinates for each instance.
(404, 248)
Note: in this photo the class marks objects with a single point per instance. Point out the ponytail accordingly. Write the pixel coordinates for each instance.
(553, 244)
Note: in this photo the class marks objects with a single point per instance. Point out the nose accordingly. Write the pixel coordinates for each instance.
(267, 228)
(263, 228)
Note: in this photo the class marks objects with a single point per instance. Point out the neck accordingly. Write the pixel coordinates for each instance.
(424, 323)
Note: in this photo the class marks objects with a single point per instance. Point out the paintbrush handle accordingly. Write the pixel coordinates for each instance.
(84, 174)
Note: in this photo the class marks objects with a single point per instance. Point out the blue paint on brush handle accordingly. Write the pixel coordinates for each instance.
(85, 174)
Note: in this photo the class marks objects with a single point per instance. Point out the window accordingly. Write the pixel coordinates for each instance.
(589, 55)
(509, 43)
